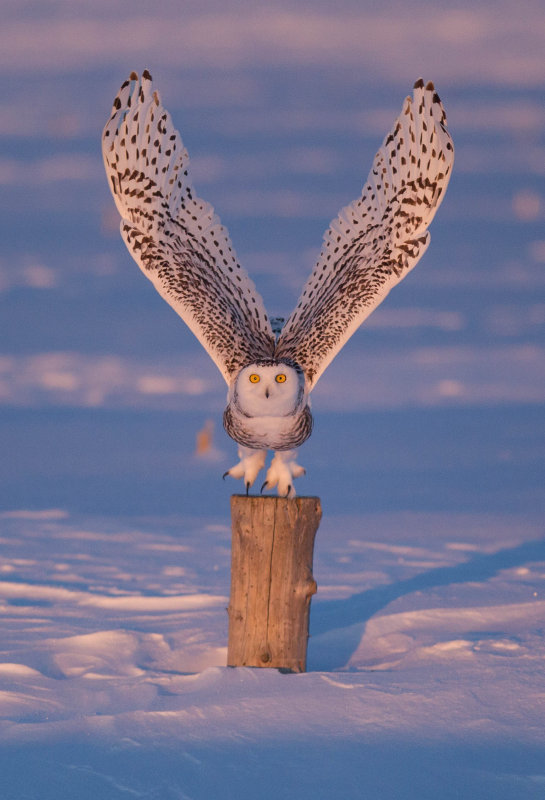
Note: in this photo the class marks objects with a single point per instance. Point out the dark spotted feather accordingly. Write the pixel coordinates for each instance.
(375, 241)
(175, 237)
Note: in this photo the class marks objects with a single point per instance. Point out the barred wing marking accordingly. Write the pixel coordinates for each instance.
(376, 240)
(175, 237)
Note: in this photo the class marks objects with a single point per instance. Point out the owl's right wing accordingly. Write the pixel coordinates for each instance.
(374, 242)
(176, 238)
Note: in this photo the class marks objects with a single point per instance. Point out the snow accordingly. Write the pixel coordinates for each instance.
(425, 664)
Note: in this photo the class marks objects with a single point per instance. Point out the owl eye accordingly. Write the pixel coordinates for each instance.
(281, 378)
(254, 378)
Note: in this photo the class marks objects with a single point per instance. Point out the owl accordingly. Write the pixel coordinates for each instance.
(271, 366)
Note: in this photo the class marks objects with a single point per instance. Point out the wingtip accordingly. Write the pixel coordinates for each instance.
(419, 84)
(146, 76)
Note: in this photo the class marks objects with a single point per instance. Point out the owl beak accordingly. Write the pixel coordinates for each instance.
(267, 393)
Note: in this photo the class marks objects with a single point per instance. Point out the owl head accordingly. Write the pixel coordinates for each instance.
(268, 406)
(269, 389)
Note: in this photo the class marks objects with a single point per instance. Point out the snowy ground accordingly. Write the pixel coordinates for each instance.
(425, 670)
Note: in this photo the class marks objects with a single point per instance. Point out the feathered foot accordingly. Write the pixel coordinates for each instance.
(282, 472)
(249, 466)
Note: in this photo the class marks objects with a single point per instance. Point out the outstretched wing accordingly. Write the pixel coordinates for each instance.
(378, 239)
(176, 238)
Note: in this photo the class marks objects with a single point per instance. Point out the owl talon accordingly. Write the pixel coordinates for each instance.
(282, 472)
(225, 474)
(261, 492)
(251, 462)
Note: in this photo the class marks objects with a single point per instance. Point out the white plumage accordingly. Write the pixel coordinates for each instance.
(180, 244)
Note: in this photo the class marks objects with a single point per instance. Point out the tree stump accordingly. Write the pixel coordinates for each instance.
(271, 580)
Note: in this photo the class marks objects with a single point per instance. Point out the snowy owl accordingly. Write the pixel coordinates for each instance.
(181, 246)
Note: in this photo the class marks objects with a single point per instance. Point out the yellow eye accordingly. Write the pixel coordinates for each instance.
(280, 378)
(254, 378)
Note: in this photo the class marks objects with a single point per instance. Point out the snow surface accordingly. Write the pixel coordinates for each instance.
(425, 665)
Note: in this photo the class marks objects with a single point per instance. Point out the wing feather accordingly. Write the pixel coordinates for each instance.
(376, 240)
(175, 237)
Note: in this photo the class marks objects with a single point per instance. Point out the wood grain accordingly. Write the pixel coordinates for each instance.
(271, 580)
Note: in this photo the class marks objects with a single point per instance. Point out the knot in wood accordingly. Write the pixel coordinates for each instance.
(265, 657)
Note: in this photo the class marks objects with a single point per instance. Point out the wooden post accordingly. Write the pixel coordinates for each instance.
(271, 580)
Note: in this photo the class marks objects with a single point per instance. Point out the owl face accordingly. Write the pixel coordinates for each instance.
(268, 390)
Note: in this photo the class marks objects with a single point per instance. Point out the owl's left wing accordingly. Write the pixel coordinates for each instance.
(175, 237)
(375, 241)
